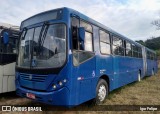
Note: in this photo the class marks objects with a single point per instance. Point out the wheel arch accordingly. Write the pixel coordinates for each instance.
(140, 71)
(106, 78)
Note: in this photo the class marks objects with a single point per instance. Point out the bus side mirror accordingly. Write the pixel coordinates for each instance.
(81, 31)
(5, 37)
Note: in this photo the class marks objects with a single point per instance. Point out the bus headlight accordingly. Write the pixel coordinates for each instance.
(64, 80)
(59, 84)
(54, 86)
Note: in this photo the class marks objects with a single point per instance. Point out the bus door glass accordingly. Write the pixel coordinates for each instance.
(83, 57)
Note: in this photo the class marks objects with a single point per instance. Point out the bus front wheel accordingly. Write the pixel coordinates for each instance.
(101, 92)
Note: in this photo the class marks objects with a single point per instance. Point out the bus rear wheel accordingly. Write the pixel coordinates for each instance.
(101, 92)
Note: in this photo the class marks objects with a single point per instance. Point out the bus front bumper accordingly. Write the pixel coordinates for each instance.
(59, 97)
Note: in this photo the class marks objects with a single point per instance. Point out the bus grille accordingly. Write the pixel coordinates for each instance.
(32, 77)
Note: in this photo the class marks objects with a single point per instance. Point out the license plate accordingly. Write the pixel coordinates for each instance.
(30, 95)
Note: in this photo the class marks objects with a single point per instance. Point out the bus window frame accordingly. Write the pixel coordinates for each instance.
(78, 50)
(110, 43)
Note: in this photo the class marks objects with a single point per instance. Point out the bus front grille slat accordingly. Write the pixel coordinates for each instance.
(35, 78)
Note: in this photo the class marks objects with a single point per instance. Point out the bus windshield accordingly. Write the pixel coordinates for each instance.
(43, 47)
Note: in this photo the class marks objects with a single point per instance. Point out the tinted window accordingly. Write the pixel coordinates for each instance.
(75, 25)
(140, 52)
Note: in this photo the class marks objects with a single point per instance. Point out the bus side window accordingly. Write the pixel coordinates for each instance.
(134, 50)
(75, 26)
(11, 46)
(128, 49)
(88, 43)
(104, 42)
(82, 53)
(148, 55)
(140, 52)
(118, 46)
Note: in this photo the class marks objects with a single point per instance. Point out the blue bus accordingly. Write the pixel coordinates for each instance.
(66, 58)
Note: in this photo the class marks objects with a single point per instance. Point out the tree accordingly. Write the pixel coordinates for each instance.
(158, 53)
(153, 43)
(141, 42)
(157, 23)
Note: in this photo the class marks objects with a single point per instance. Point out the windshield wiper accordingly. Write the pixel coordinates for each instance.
(42, 36)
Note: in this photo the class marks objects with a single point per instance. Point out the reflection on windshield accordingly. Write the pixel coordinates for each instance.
(49, 51)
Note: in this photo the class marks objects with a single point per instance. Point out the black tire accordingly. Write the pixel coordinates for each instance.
(97, 100)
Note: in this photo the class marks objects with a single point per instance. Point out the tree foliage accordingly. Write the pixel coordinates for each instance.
(141, 42)
(156, 23)
(153, 43)
(158, 54)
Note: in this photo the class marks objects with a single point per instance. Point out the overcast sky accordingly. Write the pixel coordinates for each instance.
(131, 18)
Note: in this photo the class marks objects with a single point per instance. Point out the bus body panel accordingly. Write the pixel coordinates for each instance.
(84, 80)
(152, 65)
(59, 97)
(7, 77)
(126, 70)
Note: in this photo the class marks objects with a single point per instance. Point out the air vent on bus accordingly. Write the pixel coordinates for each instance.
(32, 77)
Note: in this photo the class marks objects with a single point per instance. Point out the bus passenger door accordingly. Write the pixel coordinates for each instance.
(84, 71)
(83, 59)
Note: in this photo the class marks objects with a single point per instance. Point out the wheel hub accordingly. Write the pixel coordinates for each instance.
(102, 92)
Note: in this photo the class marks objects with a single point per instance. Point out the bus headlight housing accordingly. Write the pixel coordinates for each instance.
(59, 84)
(54, 86)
